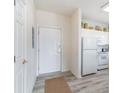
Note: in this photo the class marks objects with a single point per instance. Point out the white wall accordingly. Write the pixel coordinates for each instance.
(76, 43)
(53, 19)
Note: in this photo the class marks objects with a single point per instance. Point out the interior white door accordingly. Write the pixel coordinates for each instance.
(19, 28)
(49, 50)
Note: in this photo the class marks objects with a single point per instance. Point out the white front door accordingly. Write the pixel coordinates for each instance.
(19, 25)
(49, 50)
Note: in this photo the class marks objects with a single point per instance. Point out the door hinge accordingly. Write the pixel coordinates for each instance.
(14, 59)
(14, 2)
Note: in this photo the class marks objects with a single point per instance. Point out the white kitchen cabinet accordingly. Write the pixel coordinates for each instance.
(94, 33)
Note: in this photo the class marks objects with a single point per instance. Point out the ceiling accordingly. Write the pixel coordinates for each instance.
(91, 9)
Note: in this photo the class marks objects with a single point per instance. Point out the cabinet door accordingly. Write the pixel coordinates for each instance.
(89, 62)
(102, 37)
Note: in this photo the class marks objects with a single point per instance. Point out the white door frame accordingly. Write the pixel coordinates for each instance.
(61, 38)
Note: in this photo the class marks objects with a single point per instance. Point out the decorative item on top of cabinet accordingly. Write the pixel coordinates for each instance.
(98, 28)
(82, 25)
(86, 25)
(91, 27)
(105, 29)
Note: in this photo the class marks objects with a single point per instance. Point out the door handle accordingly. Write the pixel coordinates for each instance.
(24, 61)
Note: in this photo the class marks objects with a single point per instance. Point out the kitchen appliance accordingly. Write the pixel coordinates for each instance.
(88, 55)
(103, 56)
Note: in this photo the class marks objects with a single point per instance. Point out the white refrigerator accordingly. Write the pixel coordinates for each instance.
(88, 55)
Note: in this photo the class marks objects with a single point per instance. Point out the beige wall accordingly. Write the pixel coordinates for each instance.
(76, 43)
(53, 19)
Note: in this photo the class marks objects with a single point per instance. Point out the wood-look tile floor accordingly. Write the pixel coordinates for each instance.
(95, 83)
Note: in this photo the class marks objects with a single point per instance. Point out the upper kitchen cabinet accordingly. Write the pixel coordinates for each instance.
(91, 28)
(94, 33)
